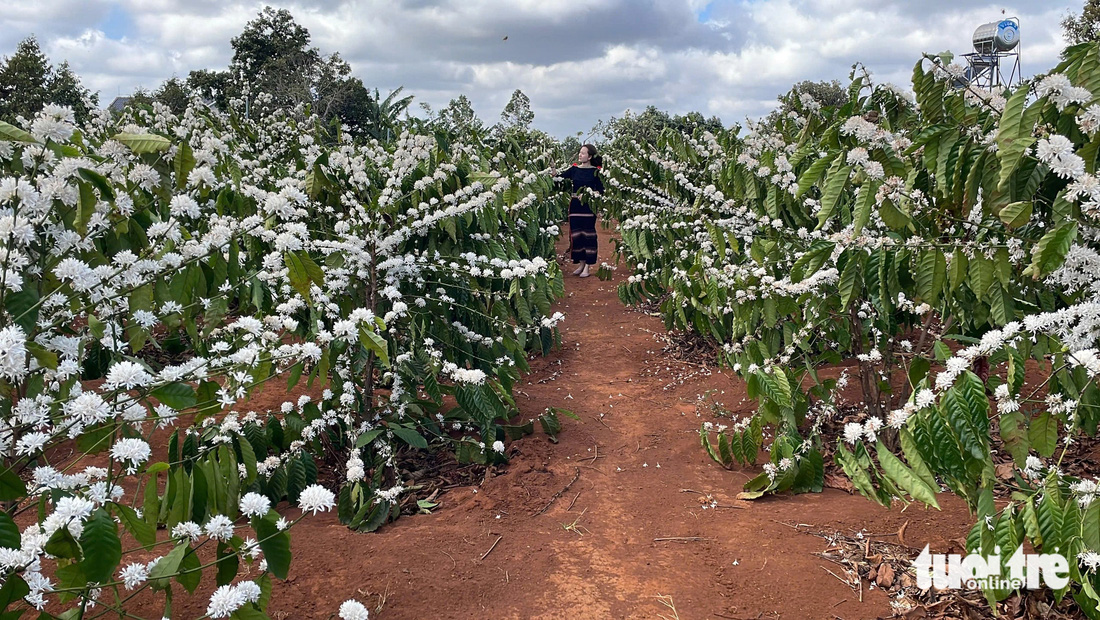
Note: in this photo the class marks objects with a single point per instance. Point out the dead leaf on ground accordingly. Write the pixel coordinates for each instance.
(885, 576)
(834, 481)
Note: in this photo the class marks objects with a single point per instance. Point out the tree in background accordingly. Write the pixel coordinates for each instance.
(383, 116)
(459, 119)
(28, 81)
(64, 88)
(828, 94)
(174, 93)
(23, 80)
(1083, 27)
(570, 146)
(354, 107)
(273, 56)
(517, 115)
(514, 130)
(211, 86)
(647, 125)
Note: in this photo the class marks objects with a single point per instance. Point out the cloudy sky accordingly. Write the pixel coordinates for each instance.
(577, 61)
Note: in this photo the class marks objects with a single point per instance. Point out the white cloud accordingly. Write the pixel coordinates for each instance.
(578, 62)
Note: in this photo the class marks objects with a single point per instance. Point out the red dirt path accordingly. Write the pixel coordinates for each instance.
(750, 565)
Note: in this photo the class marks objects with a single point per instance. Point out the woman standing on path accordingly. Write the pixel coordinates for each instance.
(582, 221)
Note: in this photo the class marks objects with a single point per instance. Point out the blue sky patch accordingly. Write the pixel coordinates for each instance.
(704, 15)
(117, 24)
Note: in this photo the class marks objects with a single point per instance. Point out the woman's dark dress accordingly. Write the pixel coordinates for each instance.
(582, 221)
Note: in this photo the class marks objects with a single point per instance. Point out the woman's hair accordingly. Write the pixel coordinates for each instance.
(593, 157)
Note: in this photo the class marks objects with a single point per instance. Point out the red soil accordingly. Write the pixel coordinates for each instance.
(642, 472)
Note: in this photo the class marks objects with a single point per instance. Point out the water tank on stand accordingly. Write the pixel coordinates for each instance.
(996, 37)
(996, 56)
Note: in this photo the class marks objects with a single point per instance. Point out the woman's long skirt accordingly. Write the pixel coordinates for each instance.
(582, 232)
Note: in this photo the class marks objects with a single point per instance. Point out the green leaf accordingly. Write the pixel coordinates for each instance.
(248, 611)
(85, 207)
(892, 216)
(315, 177)
(1050, 516)
(14, 134)
(9, 531)
(776, 386)
(956, 271)
(1016, 214)
(102, 547)
(313, 270)
(98, 181)
(13, 590)
(265, 591)
(1001, 305)
(904, 477)
(751, 440)
(143, 143)
(296, 479)
(22, 306)
(161, 575)
(850, 278)
(470, 452)
(1043, 434)
(274, 543)
(864, 202)
(140, 529)
(912, 454)
(368, 437)
(812, 174)
(1051, 250)
(373, 342)
(190, 572)
(550, 424)
(1014, 434)
(178, 396)
(96, 439)
(1090, 526)
(96, 327)
(704, 440)
(44, 356)
(856, 472)
(183, 164)
(918, 369)
(724, 450)
(1009, 125)
(248, 458)
(299, 276)
(982, 271)
(834, 187)
(1013, 139)
(518, 431)
(62, 544)
(410, 436)
(931, 275)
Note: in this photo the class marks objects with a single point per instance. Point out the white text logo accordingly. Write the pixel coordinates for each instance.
(953, 572)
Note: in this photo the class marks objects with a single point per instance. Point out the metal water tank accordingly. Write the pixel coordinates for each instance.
(996, 37)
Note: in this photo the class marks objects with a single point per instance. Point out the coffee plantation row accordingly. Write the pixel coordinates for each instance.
(939, 244)
(158, 270)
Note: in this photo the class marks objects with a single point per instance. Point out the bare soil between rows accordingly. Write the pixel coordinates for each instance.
(635, 474)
